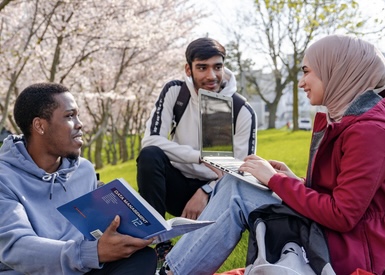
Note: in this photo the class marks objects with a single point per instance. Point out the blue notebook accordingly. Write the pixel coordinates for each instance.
(93, 212)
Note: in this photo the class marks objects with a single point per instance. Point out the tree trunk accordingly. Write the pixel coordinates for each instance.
(272, 116)
(98, 152)
(295, 104)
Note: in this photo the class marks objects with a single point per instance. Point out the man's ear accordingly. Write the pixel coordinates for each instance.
(187, 69)
(38, 125)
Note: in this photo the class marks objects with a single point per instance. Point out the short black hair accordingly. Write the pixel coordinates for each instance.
(36, 100)
(204, 48)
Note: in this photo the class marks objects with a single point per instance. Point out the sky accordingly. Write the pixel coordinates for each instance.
(227, 9)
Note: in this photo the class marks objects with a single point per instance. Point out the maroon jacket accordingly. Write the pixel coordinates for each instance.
(347, 169)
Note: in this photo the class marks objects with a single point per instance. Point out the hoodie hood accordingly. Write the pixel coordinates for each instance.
(14, 154)
(229, 84)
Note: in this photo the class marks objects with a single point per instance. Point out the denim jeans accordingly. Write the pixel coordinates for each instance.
(204, 250)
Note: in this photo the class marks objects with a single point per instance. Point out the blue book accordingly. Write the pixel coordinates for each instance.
(93, 212)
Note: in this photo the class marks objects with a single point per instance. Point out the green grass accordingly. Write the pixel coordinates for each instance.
(289, 147)
(283, 145)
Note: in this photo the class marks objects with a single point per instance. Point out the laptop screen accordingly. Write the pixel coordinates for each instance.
(216, 127)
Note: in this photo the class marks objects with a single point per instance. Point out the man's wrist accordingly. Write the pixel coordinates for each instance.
(207, 189)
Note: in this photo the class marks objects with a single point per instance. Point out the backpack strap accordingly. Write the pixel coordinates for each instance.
(180, 106)
(238, 102)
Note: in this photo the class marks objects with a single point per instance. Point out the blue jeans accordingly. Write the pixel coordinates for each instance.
(204, 250)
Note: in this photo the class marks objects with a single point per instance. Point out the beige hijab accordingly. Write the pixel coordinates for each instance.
(347, 67)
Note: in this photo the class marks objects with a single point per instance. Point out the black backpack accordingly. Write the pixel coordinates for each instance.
(182, 101)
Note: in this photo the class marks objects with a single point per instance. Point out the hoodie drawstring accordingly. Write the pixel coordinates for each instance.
(52, 177)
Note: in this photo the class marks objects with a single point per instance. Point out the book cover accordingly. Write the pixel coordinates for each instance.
(93, 212)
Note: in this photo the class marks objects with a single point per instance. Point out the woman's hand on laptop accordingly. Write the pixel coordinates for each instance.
(259, 168)
(263, 170)
(281, 167)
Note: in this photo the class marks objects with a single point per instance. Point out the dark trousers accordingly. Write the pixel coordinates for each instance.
(161, 184)
(142, 262)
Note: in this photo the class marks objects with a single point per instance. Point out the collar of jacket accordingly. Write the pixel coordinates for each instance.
(359, 106)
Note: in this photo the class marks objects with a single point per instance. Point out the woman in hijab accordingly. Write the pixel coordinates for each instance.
(345, 186)
(344, 191)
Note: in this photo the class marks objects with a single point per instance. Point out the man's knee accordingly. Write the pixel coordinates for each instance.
(151, 153)
(151, 160)
(147, 255)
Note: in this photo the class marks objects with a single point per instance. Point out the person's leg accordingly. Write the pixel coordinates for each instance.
(141, 262)
(204, 250)
(162, 185)
(179, 192)
(153, 166)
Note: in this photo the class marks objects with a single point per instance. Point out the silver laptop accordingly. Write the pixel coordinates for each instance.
(216, 135)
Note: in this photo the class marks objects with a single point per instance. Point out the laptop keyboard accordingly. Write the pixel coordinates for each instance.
(234, 166)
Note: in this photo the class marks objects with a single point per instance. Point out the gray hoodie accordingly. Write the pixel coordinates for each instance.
(34, 237)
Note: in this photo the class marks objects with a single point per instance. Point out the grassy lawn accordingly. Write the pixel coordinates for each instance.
(289, 147)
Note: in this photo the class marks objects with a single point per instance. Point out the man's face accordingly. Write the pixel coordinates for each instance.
(63, 134)
(207, 74)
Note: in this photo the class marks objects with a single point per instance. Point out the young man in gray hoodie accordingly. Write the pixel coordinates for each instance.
(41, 170)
